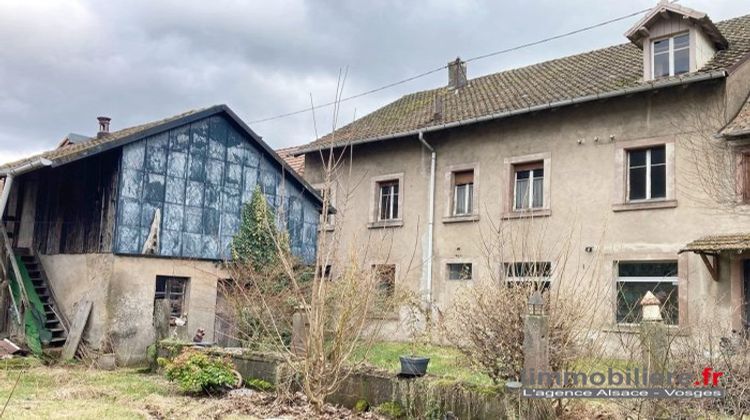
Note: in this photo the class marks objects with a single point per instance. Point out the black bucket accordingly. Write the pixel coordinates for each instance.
(413, 366)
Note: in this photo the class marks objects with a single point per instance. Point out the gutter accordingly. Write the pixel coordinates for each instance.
(29, 166)
(712, 75)
(430, 223)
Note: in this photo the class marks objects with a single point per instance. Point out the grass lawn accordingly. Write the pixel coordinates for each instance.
(80, 393)
(444, 361)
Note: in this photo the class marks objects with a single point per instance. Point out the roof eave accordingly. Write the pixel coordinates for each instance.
(659, 84)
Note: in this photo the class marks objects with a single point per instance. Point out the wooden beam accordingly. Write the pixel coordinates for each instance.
(83, 310)
(713, 269)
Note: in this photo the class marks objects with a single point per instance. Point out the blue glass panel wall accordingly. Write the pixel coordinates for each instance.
(200, 175)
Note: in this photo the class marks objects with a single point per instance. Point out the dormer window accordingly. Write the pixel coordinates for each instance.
(671, 56)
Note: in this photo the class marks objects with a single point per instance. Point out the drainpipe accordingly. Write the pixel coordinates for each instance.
(9, 175)
(430, 220)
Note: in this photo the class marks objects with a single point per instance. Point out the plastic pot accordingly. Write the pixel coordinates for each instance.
(414, 365)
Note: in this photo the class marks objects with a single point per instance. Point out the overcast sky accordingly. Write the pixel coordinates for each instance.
(62, 63)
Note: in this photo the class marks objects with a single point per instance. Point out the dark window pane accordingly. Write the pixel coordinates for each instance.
(637, 158)
(459, 271)
(637, 181)
(522, 174)
(630, 294)
(661, 65)
(647, 269)
(394, 202)
(681, 61)
(528, 269)
(681, 41)
(659, 181)
(661, 46)
(658, 155)
(538, 173)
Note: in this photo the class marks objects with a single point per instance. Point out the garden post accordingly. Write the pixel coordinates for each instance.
(654, 347)
(300, 329)
(535, 339)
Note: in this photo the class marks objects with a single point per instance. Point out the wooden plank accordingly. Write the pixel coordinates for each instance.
(713, 269)
(83, 309)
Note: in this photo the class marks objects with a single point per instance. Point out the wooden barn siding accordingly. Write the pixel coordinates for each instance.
(76, 206)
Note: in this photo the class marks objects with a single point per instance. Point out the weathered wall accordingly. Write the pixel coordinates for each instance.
(585, 198)
(122, 291)
(70, 209)
(199, 175)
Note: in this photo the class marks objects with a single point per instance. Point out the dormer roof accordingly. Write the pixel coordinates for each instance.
(665, 10)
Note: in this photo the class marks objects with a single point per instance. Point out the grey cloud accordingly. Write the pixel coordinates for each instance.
(62, 63)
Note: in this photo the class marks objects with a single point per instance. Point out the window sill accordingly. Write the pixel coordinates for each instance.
(645, 205)
(461, 219)
(386, 224)
(636, 329)
(527, 214)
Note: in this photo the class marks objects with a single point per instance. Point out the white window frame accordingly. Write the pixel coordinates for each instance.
(522, 279)
(670, 53)
(530, 189)
(648, 173)
(393, 196)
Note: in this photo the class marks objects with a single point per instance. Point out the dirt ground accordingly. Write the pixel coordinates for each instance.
(83, 393)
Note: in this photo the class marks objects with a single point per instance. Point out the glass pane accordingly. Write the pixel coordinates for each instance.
(681, 61)
(661, 65)
(522, 194)
(394, 202)
(637, 158)
(522, 174)
(459, 271)
(470, 205)
(385, 200)
(657, 155)
(681, 41)
(637, 181)
(460, 199)
(630, 294)
(539, 173)
(647, 269)
(538, 199)
(659, 181)
(661, 46)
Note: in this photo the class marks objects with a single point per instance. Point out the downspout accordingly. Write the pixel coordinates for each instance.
(430, 222)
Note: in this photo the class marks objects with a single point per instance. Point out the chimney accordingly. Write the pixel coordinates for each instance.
(103, 126)
(456, 74)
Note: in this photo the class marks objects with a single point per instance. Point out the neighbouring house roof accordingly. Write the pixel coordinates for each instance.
(81, 148)
(718, 243)
(740, 124)
(296, 162)
(638, 31)
(607, 72)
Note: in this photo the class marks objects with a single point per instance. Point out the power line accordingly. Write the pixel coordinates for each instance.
(429, 72)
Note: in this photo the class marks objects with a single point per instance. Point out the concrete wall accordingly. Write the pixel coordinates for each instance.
(122, 291)
(586, 198)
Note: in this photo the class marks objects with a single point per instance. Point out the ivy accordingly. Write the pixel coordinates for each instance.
(255, 241)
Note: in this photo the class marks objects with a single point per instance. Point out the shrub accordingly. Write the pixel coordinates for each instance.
(198, 372)
(259, 385)
(391, 409)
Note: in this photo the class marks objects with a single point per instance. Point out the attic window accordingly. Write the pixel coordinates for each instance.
(671, 56)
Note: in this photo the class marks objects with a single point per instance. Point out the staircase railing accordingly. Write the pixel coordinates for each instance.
(8, 262)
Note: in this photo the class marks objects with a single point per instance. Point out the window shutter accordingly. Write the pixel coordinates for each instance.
(463, 177)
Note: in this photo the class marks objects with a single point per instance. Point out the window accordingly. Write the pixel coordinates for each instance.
(463, 193)
(635, 278)
(173, 289)
(388, 200)
(745, 176)
(325, 272)
(326, 219)
(529, 186)
(647, 173)
(671, 56)
(386, 274)
(459, 271)
(537, 272)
